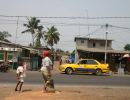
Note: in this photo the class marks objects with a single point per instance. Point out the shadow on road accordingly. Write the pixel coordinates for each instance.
(86, 74)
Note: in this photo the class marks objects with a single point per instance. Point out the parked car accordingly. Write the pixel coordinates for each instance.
(85, 65)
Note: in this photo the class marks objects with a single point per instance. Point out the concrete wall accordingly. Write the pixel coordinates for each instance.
(86, 43)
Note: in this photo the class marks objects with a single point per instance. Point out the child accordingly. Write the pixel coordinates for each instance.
(20, 76)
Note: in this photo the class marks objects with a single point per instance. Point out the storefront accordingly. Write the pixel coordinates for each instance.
(9, 56)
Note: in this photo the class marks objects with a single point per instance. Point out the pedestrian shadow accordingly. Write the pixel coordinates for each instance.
(26, 90)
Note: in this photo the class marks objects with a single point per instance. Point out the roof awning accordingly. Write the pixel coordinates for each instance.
(101, 50)
(9, 49)
(31, 50)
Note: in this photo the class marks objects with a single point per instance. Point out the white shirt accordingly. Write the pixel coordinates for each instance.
(21, 69)
(46, 62)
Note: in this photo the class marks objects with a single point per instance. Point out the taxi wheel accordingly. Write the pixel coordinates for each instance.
(69, 71)
(98, 72)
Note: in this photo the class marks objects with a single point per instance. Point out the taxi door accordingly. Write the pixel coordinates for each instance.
(91, 66)
(82, 65)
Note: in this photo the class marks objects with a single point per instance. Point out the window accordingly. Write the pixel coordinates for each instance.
(94, 44)
(91, 62)
(83, 62)
(108, 45)
(10, 55)
(82, 41)
(2, 55)
(102, 44)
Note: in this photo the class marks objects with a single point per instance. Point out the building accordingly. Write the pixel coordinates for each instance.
(11, 53)
(96, 48)
(97, 43)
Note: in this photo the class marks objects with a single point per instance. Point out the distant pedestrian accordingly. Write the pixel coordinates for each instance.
(46, 71)
(60, 61)
(21, 73)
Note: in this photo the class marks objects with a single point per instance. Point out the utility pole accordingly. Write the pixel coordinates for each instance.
(17, 29)
(105, 58)
(15, 58)
(76, 52)
(79, 29)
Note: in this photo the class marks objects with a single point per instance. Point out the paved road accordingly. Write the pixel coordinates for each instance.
(35, 77)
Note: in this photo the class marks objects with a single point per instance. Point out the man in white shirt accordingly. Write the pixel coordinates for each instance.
(46, 70)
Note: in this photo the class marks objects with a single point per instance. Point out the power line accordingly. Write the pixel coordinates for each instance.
(8, 21)
(69, 24)
(95, 31)
(119, 27)
(119, 17)
(57, 24)
(120, 31)
(91, 33)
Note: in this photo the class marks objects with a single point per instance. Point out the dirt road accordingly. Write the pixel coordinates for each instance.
(66, 93)
(34, 92)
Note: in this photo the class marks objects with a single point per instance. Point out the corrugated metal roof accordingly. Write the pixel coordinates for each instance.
(31, 49)
(10, 43)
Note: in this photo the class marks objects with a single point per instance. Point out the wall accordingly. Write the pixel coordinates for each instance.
(90, 43)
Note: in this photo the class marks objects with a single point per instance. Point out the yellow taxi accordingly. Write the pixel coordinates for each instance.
(85, 65)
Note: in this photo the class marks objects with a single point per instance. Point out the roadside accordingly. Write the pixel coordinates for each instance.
(65, 92)
(31, 92)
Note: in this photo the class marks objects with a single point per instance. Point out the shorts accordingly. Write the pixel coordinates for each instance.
(21, 79)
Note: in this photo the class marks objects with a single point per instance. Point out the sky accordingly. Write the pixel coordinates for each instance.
(69, 28)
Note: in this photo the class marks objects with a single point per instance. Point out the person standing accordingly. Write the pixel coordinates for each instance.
(21, 73)
(46, 69)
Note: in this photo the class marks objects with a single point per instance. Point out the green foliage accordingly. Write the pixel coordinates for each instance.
(127, 47)
(39, 36)
(52, 36)
(4, 35)
(59, 50)
(32, 26)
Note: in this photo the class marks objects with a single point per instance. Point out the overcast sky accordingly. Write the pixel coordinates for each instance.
(68, 27)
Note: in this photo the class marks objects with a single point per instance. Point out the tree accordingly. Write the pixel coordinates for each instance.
(30, 45)
(32, 26)
(39, 36)
(52, 36)
(4, 35)
(58, 50)
(127, 47)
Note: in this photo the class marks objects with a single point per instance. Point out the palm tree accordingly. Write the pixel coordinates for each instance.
(39, 36)
(32, 26)
(52, 36)
(4, 35)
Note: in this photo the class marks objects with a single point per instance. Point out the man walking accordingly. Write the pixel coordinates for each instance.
(46, 71)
